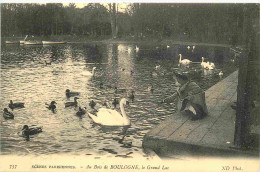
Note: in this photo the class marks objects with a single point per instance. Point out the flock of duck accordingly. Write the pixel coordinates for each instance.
(105, 115)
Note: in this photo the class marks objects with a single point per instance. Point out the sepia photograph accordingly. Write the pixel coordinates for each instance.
(130, 86)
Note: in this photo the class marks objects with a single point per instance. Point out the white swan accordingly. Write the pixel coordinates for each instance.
(109, 117)
(87, 73)
(203, 64)
(210, 66)
(136, 48)
(184, 61)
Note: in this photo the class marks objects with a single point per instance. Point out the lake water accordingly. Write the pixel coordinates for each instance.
(37, 75)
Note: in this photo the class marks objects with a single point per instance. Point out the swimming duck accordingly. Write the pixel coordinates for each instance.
(157, 67)
(120, 90)
(150, 88)
(71, 94)
(115, 102)
(168, 46)
(81, 112)
(30, 131)
(132, 96)
(75, 103)
(15, 105)
(7, 114)
(101, 85)
(52, 106)
(92, 104)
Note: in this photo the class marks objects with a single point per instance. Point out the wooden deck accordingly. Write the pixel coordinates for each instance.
(213, 135)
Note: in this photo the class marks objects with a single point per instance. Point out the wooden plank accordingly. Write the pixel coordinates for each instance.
(171, 128)
(159, 127)
(222, 131)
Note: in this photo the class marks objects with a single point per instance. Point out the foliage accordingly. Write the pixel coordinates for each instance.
(200, 22)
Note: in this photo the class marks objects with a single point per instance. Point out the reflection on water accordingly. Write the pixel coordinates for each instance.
(37, 75)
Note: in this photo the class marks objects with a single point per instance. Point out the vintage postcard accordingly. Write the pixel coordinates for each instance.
(129, 86)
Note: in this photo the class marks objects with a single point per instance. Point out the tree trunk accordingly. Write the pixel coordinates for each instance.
(244, 94)
(113, 20)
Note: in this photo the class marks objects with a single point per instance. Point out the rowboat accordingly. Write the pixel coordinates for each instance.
(11, 42)
(32, 42)
(52, 42)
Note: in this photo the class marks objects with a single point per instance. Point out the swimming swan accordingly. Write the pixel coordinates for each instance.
(109, 117)
(184, 61)
(203, 64)
(87, 73)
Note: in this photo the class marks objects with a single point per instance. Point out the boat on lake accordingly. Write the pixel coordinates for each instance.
(53, 42)
(32, 42)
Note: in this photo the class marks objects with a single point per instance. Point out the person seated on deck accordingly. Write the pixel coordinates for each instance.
(190, 98)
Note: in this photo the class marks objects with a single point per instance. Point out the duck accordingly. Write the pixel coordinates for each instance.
(87, 73)
(220, 73)
(132, 96)
(101, 85)
(168, 46)
(154, 74)
(92, 104)
(109, 117)
(203, 64)
(120, 90)
(30, 131)
(150, 88)
(81, 112)
(71, 94)
(52, 106)
(15, 105)
(184, 61)
(7, 114)
(157, 67)
(75, 103)
(193, 47)
(188, 47)
(115, 102)
(136, 48)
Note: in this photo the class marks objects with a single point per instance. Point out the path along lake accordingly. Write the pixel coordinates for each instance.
(37, 75)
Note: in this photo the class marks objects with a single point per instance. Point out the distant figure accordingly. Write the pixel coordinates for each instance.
(190, 97)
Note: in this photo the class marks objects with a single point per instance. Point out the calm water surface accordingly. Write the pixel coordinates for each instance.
(37, 75)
